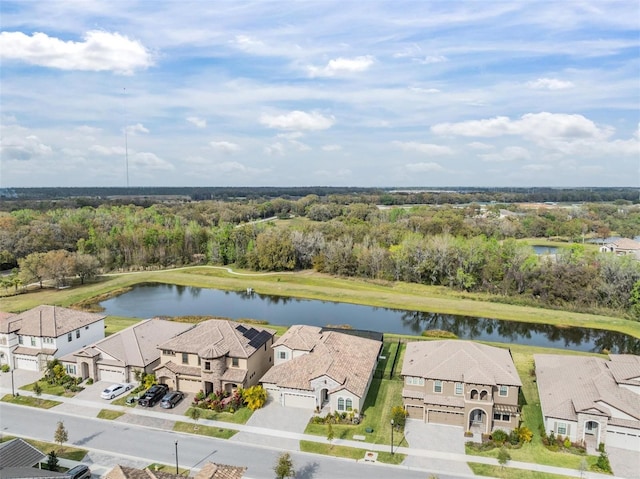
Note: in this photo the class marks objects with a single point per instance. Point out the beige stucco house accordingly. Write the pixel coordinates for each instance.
(314, 368)
(29, 339)
(591, 400)
(216, 355)
(622, 246)
(461, 383)
(116, 358)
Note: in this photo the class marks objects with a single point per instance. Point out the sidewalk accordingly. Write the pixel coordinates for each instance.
(90, 409)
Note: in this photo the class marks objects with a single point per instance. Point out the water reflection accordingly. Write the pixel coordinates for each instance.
(151, 300)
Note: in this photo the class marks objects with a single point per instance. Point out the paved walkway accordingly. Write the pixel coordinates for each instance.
(163, 420)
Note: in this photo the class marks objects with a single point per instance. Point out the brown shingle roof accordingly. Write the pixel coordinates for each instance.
(572, 384)
(219, 334)
(347, 359)
(462, 361)
(53, 321)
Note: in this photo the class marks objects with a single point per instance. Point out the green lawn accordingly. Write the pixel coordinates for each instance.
(30, 401)
(67, 452)
(210, 431)
(51, 389)
(113, 324)
(109, 414)
(348, 452)
(241, 416)
(511, 473)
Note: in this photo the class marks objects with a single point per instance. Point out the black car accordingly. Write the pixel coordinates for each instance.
(79, 472)
(171, 399)
(153, 395)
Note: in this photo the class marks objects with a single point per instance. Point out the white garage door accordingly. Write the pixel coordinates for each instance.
(27, 363)
(299, 400)
(114, 375)
(623, 438)
(274, 393)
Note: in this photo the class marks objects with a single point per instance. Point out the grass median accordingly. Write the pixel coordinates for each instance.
(30, 401)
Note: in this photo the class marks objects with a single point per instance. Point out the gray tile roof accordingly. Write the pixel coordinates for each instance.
(53, 321)
(8, 323)
(19, 453)
(349, 360)
(625, 368)
(461, 361)
(219, 336)
(209, 471)
(569, 385)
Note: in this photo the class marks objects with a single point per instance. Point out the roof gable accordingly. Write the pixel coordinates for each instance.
(53, 321)
(19, 453)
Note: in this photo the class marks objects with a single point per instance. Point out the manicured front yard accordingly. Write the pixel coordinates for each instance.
(241, 416)
(210, 431)
(109, 414)
(510, 473)
(348, 452)
(67, 452)
(51, 389)
(30, 401)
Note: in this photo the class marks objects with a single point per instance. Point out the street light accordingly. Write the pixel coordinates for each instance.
(13, 391)
(392, 437)
(177, 458)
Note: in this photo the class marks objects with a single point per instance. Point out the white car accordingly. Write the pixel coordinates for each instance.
(115, 390)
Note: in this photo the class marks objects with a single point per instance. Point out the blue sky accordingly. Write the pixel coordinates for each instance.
(283, 93)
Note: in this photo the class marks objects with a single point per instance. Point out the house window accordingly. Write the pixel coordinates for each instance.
(48, 340)
(77, 333)
(415, 381)
(437, 386)
(459, 388)
(562, 428)
(340, 404)
(33, 341)
(349, 404)
(207, 365)
(20, 340)
(282, 355)
(168, 352)
(235, 362)
(69, 337)
(185, 358)
(501, 417)
(504, 390)
(70, 368)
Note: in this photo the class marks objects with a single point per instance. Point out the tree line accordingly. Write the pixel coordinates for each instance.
(472, 247)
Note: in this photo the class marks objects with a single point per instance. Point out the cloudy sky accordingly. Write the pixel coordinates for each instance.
(284, 93)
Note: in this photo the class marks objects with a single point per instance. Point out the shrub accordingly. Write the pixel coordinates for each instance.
(499, 436)
(514, 437)
(5, 368)
(525, 434)
(567, 443)
(255, 397)
(603, 462)
(89, 381)
(399, 416)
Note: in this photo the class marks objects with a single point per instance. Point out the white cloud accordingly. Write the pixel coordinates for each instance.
(478, 145)
(339, 66)
(144, 160)
(331, 148)
(133, 130)
(298, 120)
(248, 44)
(23, 148)
(537, 167)
(423, 167)
(549, 84)
(107, 150)
(428, 60)
(424, 90)
(100, 51)
(199, 122)
(510, 153)
(426, 148)
(291, 135)
(225, 146)
(340, 173)
(88, 130)
(275, 149)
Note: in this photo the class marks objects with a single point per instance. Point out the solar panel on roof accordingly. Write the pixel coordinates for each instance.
(251, 333)
(260, 339)
(241, 328)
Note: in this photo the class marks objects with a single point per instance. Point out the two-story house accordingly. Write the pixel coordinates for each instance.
(216, 355)
(8, 337)
(461, 383)
(44, 332)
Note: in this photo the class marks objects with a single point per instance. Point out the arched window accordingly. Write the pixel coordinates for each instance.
(349, 404)
(474, 394)
(340, 404)
(483, 395)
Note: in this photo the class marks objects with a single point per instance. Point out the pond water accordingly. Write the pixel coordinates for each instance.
(540, 249)
(147, 301)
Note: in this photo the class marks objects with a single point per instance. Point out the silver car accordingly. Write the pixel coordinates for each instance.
(115, 390)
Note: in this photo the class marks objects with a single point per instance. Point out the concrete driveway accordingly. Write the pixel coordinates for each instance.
(20, 378)
(624, 462)
(276, 417)
(435, 437)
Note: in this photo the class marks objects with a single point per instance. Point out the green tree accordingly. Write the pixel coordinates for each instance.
(61, 435)
(194, 415)
(85, 266)
(330, 433)
(603, 462)
(503, 457)
(399, 416)
(33, 269)
(37, 389)
(284, 466)
(52, 461)
(634, 300)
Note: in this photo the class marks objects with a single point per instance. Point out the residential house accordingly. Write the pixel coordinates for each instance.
(8, 337)
(622, 246)
(33, 337)
(591, 400)
(314, 368)
(18, 460)
(209, 471)
(117, 357)
(461, 383)
(215, 355)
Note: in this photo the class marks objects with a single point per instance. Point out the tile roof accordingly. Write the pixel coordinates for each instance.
(626, 243)
(136, 345)
(220, 336)
(569, 385)
(625, 368)
(8, 324)
(53, 321)
(179, 369)
(349, 360)
(33, 351)
(209, 471)
(444, 400)
(19, 453)
(463, 361)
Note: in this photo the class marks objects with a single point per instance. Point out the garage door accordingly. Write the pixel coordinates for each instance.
(442, 417)
(274, 393)
(415, 412)
(113, 375)
(623, 438)
(298, 400)
(27, 363)
(187, 385)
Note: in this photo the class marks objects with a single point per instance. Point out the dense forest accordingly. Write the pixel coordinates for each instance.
(470, 246)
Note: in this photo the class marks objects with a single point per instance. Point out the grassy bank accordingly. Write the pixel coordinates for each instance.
(313, 285)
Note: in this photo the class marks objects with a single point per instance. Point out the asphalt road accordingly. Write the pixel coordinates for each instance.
(154, 445)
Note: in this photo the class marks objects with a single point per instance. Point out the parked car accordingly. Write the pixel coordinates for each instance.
(79, 472)
(115, 390)
(154, 394)
(170, 399)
